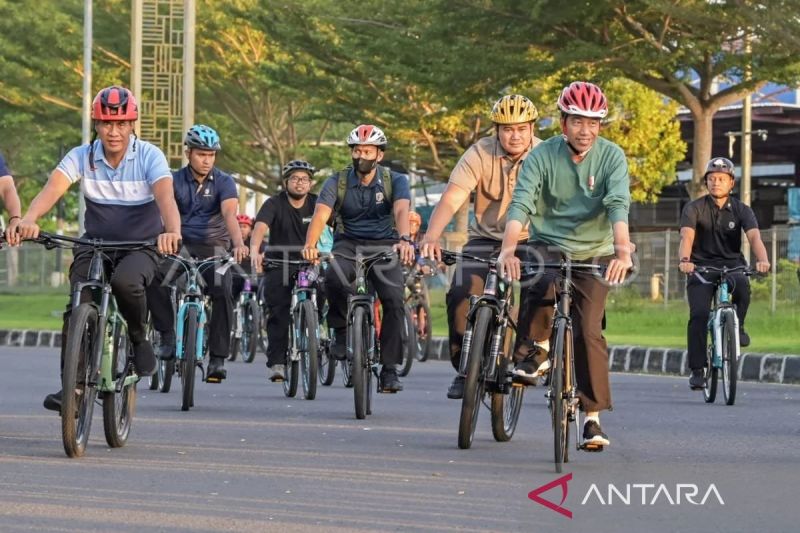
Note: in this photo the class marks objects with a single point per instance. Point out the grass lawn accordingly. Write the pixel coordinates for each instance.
(636, 322)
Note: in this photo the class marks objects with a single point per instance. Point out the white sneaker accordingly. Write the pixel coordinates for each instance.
(278, 372)
(544, 368)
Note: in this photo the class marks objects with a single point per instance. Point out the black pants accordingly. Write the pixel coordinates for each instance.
(216, 286)
(129, 273)
(277, 293)
(468, 280)
(385, 278)
(587, 311)
(700, 295)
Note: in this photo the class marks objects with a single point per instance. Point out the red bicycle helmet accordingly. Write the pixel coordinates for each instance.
(584, 99)
(115, 103)
(367, 134)
(244, 219)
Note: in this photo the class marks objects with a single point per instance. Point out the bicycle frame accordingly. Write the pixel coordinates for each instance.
(303, 290)
(247, 294)
(364, 298)
(722, 302)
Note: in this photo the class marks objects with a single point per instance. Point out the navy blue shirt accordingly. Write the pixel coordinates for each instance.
(366, 212)
(3, 168)
(200, 206)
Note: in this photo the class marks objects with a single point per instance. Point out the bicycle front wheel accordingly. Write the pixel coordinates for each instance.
(252, 319)
(409, 342)
(327, 363)
(358, 346)
(189, 361)
(154, 381)
(78, 395)
(559, 401)
(729, 358)
(423, 330)
(292, 365)
(119, 408)
(474, 382)
(309, 354)
(712, 372)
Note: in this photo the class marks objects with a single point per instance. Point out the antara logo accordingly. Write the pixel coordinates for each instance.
(629, 494)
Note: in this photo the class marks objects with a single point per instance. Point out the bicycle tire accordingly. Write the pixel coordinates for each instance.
(473, 382)
(189, 361)
(347, 373)
(712, 373)
(729, 359)
(505, 412)
(154, 381)
(360, 371)
(76, 416)
(309, 358)
(558, 401)
(327, 363)
(166, 369)
(235, 348)
(409, 342)
(292, 366)
(119, 408)
(250, 332)
(424, 340)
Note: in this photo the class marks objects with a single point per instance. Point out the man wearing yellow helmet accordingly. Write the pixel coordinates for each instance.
(489, 168)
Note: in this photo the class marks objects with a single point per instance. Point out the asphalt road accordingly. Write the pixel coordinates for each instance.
(248, 459)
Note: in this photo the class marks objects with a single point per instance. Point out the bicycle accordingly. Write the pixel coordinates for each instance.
(418, 313)
(303, 353)
(247, 321)
(723, 331)
(98, 356)
(191, 321)
(485, 360)
(162, 379)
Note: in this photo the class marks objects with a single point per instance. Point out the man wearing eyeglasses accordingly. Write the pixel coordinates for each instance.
(286, 216)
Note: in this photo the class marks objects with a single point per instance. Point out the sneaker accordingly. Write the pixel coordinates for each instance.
(144, 359)
(339, 344)
(526, 371)
(278, 373)
(698, 379)
(456, 390)
(166, 347)
(389, 381)
(52, 402)
(744, 338)
(216, 370)
(593, 435)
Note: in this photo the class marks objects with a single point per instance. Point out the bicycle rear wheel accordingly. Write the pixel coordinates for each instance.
(729, 358)
(358, 331)
(327, 363)
(309, 354)
(423, 330)
(474, 382)
(409, 342)
(559, 403)
(78, 395)
(119, 408)
(154, 381)
(189, 361)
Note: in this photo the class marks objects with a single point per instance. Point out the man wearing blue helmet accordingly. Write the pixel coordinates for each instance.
(208, 203)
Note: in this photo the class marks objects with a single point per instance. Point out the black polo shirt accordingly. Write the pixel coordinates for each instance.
(200, 205)
(366, 212)
(287, 225)
(718, 231)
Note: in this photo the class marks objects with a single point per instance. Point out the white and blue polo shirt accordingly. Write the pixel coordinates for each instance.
(119, 201)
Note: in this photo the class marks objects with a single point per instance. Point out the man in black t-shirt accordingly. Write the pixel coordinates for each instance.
(711, 235)
(286, 216)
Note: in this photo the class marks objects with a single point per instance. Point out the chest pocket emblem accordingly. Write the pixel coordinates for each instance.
(378, 197)
(306, 220)
(731, 224)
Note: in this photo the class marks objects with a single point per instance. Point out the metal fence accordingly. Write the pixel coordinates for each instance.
(32, 267)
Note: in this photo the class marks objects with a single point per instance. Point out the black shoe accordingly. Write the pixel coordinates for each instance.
(456, 390)
(593, 435)
(216, 371)
(52, 402)
(166, 346)
(528, 370)
(339, 344)
(744, 338)
(144, 359)
(698, 379)
(389, 381)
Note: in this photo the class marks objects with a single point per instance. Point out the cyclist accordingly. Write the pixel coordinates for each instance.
(573, 190)
(414, 224)
(208, 202)
(243, 269)
(286, 216)
(489, 168)
(127, 186)
(8, 194)
(372, 204)
(711, 235)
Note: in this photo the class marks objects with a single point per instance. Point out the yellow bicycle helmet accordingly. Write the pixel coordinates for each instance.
(514, 109)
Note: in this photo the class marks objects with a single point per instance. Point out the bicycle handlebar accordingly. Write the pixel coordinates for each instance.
(50, 240)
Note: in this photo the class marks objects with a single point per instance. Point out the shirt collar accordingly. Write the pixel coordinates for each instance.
(727, 205)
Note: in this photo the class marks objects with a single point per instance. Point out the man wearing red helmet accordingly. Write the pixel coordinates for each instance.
(574, 190)
(127, 185)
(711, 235)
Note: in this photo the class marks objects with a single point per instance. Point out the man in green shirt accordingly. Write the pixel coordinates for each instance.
(574, 191)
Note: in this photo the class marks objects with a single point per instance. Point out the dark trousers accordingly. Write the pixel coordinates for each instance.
(129, 273)
(278, 285)
(385, 278)
(216, 286)
(468, 280)
(700, 295)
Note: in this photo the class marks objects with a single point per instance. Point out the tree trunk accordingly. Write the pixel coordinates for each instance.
(701, 150)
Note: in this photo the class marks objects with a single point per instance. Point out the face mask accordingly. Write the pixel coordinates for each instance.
(364, 166)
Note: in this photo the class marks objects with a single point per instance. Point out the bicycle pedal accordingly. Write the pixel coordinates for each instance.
(588, 447)
(213, 379)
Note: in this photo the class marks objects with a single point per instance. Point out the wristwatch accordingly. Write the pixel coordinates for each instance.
(407, 238)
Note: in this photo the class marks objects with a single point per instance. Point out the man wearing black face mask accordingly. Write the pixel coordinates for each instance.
(372, 204)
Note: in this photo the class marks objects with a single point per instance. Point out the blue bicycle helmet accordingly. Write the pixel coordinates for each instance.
(202, 137)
